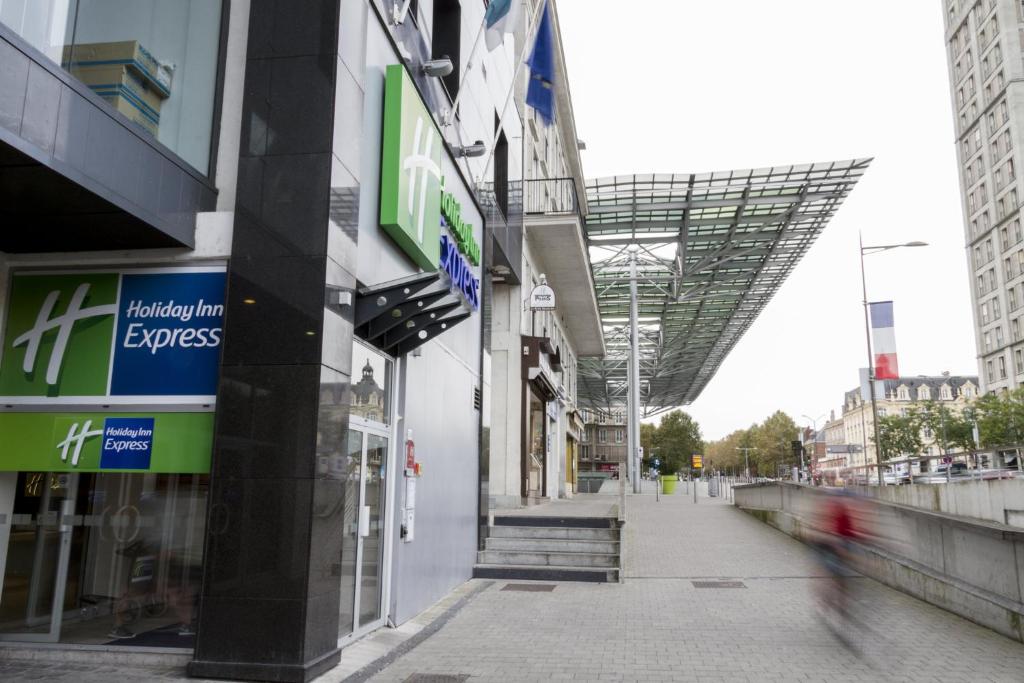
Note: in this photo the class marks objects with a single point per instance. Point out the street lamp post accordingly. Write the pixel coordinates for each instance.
(867, 335)
(746, 458)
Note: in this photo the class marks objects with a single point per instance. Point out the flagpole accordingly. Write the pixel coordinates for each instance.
(512, 88)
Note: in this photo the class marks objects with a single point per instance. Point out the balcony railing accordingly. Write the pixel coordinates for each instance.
(551, 196)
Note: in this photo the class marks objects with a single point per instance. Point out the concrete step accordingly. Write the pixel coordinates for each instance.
(566, 522)
(557, 559)
(580, 534)
(548, 573)
(555, 544)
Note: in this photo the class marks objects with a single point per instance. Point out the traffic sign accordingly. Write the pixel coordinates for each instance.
(698, 461)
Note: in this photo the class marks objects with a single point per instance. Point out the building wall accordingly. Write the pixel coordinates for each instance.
(987, 87)
(545, 156)
(858, 424)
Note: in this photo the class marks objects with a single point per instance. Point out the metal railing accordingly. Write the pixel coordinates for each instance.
(551, 196)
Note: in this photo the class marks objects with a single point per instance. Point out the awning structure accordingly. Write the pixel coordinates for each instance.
(709, 250)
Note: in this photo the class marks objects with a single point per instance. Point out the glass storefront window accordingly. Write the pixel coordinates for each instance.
(155, 61)
(101, 558)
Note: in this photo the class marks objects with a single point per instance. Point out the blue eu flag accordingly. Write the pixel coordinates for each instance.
(540, 94)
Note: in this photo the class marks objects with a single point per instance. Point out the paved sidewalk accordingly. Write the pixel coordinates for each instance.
(659, 627)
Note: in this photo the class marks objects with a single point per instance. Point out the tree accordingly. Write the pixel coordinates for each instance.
(676, 438)
(1000, 418)
(647, 432)
(951, 430)
(898, 435)
(773, 439)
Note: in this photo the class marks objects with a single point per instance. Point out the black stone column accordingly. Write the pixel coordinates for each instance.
(269, 603)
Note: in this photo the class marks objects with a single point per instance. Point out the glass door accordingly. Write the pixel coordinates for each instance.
(371, 530)
(38, 548)
(368, 444)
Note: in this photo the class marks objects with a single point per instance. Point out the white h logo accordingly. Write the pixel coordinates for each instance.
(419, 164)
(76, 440)
(63, 323)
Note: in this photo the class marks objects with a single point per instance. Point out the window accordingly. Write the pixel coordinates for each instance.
(174, 46)
(1012, 297)
(602, 436)
(995, 309)
(924, 393)
(618, 436)
(999, 335)
(903, 394)
(987, 337)
(984, 313)
(989, 254)
(944, 393)
(446, 41)
(1002, 367)
(1015, 328)
(989, 375)
(1018, 361)
(927, 434)
(501, 169)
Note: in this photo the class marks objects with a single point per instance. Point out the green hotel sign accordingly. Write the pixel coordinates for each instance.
(106, 442)
(412, 196)
(410, 183)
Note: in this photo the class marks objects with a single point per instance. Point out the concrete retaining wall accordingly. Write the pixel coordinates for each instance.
(994, 500)
(972, 568)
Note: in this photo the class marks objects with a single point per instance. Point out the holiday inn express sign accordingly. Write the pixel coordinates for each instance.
(142, 342)
(413, 201)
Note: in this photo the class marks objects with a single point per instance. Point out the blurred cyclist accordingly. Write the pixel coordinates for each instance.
(839, 527)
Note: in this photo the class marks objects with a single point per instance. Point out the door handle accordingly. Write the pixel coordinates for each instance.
(364, 521)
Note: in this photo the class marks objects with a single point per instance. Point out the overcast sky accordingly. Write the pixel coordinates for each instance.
(662, 86)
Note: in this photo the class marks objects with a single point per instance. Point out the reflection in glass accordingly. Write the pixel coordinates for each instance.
(373, 543)
(538, 450)
(350, 531)
(155, 61)
(371, 394)
(130, 546)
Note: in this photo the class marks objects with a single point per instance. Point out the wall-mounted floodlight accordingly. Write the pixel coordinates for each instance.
(437, 68)
(477, 149)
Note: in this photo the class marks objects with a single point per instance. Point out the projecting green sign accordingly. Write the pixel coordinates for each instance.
(410, 177)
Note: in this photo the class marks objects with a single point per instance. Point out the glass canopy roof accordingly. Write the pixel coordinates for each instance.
(711, 250)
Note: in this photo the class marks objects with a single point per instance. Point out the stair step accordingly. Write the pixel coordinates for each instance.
(553, 544)
(563, 522)
(549, 573)
(559, 559)
(580, 534)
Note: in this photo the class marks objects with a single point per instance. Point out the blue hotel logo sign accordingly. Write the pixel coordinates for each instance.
(127, 443)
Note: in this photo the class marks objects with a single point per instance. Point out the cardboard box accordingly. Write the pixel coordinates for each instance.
(129, 94)
(128, 54)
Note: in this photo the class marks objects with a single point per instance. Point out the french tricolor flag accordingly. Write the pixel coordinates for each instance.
(883, 336)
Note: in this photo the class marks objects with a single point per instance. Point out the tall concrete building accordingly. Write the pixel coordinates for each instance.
(987, 82)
